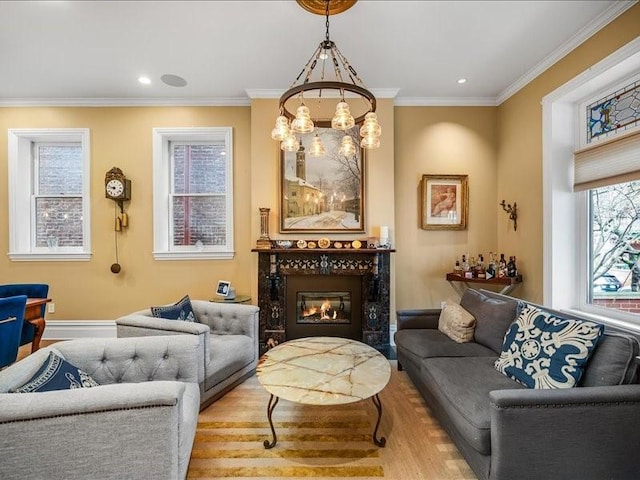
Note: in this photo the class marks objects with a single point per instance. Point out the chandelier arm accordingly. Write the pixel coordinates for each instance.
(339, 86)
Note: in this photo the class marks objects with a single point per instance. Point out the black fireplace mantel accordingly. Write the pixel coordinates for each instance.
(275, 265)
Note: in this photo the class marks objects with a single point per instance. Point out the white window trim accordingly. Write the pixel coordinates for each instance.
(20, 166)
(565, 242)
(161, 137)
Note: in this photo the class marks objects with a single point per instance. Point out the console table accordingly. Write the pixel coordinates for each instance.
(506, 284)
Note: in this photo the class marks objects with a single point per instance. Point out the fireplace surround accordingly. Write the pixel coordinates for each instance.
(360, 276)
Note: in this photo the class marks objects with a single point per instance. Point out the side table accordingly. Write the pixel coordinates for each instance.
(237, 299)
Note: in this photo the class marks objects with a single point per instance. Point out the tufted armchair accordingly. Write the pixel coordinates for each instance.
(139, 423)
(228, 338)
(31, 290)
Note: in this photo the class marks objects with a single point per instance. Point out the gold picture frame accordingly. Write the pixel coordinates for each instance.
(323, 194)
(444, 202)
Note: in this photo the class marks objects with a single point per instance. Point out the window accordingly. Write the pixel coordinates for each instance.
(49, 194)
(590, 201)
(193, 193)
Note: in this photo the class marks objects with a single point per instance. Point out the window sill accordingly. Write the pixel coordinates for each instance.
(50, 257)
(193, 255)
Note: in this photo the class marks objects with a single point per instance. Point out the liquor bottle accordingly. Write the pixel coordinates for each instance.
(491, 268)
(502, 266)
(457, 269)
(466, 269)
(481, 271)
(511, 267)
(473, 266)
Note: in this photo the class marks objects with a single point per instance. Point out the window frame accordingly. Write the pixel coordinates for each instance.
(566, 214)
(163, 248)
(21, 189)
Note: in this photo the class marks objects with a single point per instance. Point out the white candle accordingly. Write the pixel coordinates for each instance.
(384, 232)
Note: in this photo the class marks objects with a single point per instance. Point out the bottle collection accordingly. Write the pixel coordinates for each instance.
(472, 267)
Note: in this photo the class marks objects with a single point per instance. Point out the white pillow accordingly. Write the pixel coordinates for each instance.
(456, 323)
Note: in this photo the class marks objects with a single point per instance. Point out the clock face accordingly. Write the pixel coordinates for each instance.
(115, 188)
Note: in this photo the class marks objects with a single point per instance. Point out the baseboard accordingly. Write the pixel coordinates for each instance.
(393, 328)
(70, 329)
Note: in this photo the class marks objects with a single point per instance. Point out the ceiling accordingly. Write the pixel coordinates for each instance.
(92, 52)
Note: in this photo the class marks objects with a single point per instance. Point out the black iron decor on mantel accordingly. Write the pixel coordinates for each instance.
(365, 271)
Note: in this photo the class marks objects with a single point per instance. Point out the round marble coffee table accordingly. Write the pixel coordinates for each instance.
(323, 371)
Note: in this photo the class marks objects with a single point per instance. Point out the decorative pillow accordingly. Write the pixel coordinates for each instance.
(541, 350)
(57, 374)
(180, 310)
(456, 323)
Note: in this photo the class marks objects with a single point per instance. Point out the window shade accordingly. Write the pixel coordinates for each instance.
(609, 162)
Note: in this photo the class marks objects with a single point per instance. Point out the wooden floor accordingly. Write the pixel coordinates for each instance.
(417, 447)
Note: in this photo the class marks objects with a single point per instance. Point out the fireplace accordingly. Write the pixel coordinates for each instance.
(345, 293)
(323, 305)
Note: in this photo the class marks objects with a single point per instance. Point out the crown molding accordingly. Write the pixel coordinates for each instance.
(445, 102)
(616, 9)
(126, 102)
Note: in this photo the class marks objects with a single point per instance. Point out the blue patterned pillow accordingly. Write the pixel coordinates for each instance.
(179, 311)
(57, 374)
(541, 350)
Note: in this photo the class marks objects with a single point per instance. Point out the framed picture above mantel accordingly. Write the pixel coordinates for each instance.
(444, 202)
(325, 193)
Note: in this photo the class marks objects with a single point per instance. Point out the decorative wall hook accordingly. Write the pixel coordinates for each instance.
(512, 211)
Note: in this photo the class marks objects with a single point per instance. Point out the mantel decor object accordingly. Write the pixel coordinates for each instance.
(264, 241)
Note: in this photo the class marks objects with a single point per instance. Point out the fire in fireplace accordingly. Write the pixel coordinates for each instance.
(324, 307)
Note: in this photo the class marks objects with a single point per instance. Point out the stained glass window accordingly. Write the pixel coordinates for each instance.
(614, 113)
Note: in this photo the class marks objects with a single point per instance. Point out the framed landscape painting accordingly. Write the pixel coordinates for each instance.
(444, 202)
(326, 193)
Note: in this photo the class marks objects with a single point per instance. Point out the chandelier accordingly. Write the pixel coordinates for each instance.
(327, 74)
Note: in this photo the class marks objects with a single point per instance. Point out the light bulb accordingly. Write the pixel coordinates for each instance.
(316, 149)
(370, 127)
(302, 123)
(290, 143)
(347, 147)
(342, 120)
(281, 129)
(370, 142)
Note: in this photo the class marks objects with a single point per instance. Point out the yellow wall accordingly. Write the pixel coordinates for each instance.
(520, 147)
(442, 140)
(122, 137)
(500, 148)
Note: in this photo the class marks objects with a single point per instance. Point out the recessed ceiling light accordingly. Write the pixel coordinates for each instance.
(144, 80)
(173, 80)
(462, 80)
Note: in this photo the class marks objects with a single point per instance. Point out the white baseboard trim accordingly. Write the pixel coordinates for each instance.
(70, 329)
(393, 328)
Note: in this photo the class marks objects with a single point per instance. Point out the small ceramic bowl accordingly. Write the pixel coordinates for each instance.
(284, 243)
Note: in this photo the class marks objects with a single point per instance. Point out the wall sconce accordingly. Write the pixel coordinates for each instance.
(512, 211)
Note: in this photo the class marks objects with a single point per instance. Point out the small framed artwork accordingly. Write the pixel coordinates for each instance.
(223, 288)
(444, 202)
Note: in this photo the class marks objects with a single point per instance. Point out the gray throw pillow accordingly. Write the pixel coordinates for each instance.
(493, 317)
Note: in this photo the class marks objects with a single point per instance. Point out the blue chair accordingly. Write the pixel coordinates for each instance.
(31, 290)
(11, 319)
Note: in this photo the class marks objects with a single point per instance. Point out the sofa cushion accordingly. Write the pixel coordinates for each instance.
(461, 386)
(612, 362)
(493, 317)
(57, 374)
(427, 343)
(456, 323)
(229, 354)
(181, 310)
(542, 350)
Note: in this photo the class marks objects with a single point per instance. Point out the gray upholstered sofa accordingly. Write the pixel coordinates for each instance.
(139, 423)
(228, 338)
(506, 431)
